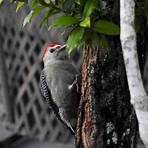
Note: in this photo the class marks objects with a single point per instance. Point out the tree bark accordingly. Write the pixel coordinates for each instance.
(106, 118)
(87, 133)
(139, 98)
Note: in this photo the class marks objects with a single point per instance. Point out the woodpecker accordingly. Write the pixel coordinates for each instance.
(59, 84)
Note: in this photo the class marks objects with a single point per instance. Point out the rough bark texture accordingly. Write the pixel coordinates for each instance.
(106, 117)
(87, 131)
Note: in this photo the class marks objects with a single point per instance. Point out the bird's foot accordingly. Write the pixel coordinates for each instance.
(76, 83)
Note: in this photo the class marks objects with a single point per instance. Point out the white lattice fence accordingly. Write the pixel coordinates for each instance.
(31, 115)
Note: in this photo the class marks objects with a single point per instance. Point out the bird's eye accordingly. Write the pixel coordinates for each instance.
(52, 50)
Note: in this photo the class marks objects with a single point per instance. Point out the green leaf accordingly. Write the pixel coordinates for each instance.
(11, 1)
(34, 3)
(64, 21)
(47, 1)
(80, 2)
(19, 6)
(43, 3)
(106, 27)
(75, 39)
(47, 16)
(32, 14)
(68, 5)
(28, 18)
(89, 7)
(1, 1)
(102, 41)
(85, 22)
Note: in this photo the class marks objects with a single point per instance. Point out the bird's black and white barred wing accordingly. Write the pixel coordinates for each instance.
(48, 98)
(45, 91)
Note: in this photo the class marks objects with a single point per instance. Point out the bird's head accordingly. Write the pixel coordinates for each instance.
(52, 52)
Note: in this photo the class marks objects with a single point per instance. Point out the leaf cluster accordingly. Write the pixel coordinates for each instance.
(86, 18)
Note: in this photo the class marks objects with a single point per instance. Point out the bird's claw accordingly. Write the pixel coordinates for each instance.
(75, 84)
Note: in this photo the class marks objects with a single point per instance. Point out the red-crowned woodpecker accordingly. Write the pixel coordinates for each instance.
(58, 84)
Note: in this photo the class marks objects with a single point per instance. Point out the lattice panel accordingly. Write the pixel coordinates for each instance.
(2, 97)
(31, 115)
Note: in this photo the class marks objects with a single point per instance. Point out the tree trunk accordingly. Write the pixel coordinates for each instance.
(87, 134)
(106, 118)
(139, 98)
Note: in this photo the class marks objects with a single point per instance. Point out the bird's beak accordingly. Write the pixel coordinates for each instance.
(62, 48)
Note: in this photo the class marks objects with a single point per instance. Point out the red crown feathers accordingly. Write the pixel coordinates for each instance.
(49, 45)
